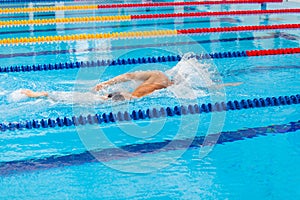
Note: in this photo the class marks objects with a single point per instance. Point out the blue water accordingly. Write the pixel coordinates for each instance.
(54, 163)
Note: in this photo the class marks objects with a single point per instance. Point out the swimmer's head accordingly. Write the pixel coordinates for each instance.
(116, 96)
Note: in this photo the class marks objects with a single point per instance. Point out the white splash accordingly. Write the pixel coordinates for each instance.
(75, 97)
(16, 96)
(190, 77)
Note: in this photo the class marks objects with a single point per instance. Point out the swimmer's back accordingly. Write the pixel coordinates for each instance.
(152, 77)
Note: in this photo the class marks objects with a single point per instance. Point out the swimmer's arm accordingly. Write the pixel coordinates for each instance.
(103, 98)
(32, 94)
(117, 79)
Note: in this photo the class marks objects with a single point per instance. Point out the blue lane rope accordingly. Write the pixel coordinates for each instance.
(105, 155)
(143, 60)
(129, 61)
(152, 113)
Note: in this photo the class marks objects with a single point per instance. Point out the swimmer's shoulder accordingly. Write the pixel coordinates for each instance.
(156, 72)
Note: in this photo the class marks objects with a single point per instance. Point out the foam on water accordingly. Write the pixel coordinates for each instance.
(75, 97)
(16, 96)
(191, 78)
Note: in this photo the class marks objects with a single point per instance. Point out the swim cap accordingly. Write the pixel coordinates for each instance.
(116, 96)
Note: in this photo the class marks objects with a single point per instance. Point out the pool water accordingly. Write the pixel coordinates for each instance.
(153, 158)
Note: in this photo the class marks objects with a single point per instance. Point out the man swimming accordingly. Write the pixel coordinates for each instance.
(150, 82)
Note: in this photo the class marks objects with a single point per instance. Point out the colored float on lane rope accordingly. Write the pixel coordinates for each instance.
(192, 3)
(145, 60)
(133, 5)
(11, 23)
(153, 113)
(48, 9)
(141, 34)
(216, 13)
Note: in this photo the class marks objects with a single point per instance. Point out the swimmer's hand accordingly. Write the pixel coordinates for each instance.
(99, 87)
(32, 94)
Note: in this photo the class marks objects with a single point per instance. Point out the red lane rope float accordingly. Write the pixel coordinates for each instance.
(206, 14)
(193, 3)
(140, 17)
(140, 34)
(238, 28)
(272, 52)
(95, 6)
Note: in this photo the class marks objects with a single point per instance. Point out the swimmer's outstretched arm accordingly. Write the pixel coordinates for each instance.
(32, 94)
(115, 80)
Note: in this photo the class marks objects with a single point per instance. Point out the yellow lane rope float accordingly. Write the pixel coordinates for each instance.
(64, 20)
(61, 38)
(47, 9)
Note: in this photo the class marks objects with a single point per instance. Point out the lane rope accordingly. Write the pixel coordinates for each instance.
(133, 5)
(48, 9)
(145, 60)
(140, 34)
(109, 154)
(12, 23)
(193, 3)
(152, 113)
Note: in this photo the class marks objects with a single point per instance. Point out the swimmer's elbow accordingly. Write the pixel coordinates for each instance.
(138, 94)
(128, 76)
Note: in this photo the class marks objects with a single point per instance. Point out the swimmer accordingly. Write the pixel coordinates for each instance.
(151, 81)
